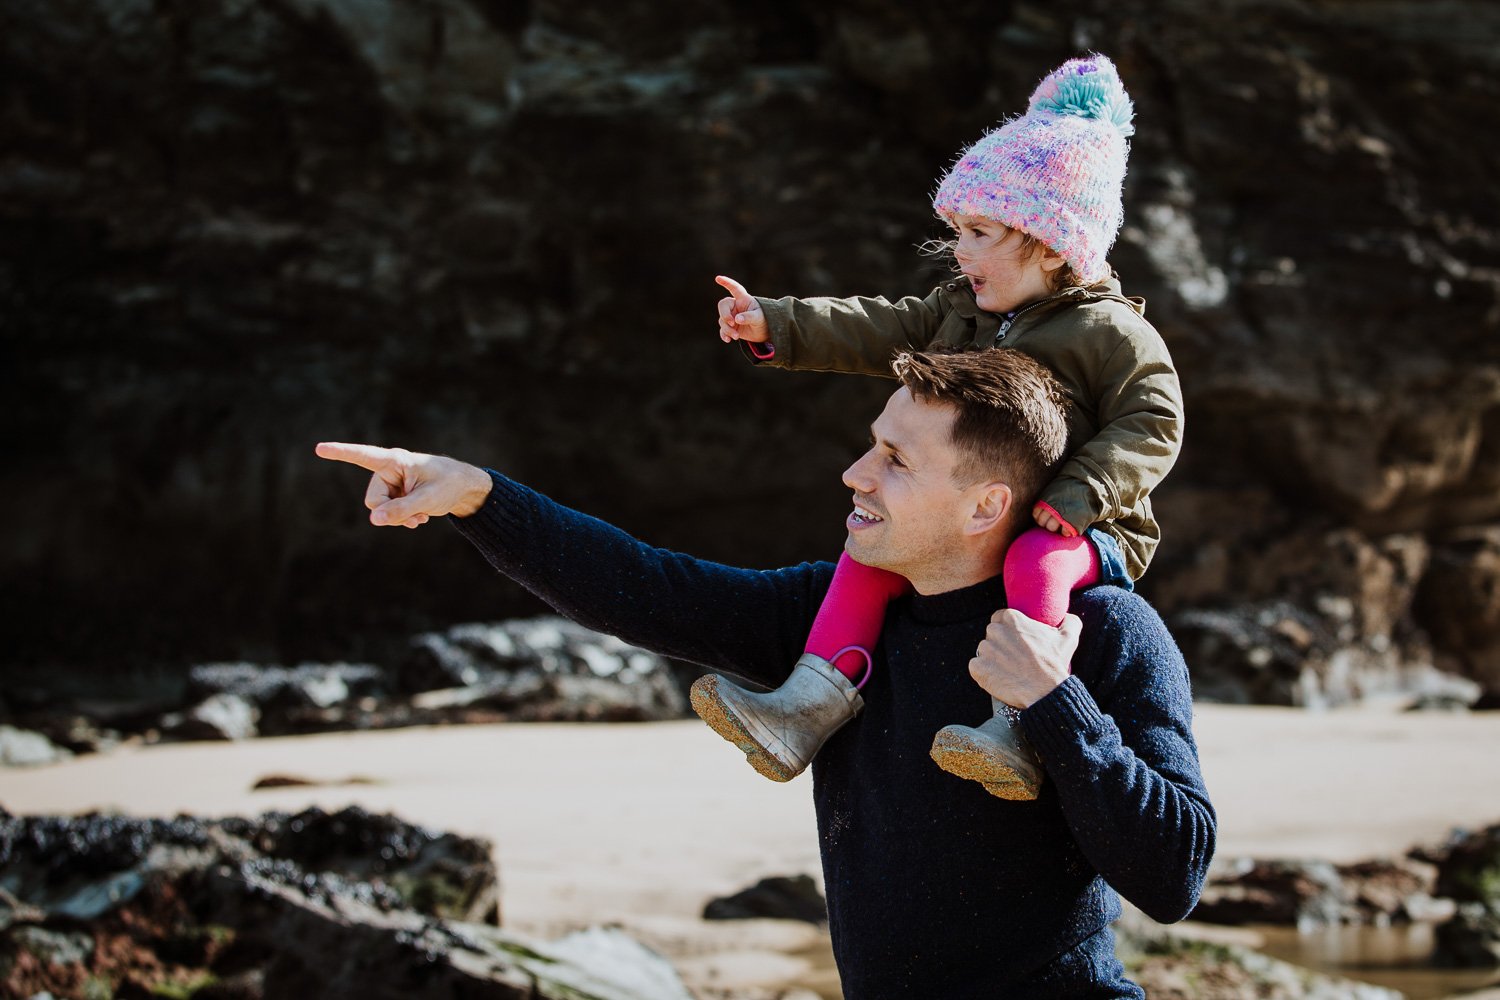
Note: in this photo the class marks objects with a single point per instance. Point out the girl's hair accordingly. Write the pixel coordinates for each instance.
(1063, 277)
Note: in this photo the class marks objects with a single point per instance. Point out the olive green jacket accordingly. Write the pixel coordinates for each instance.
(1125, 424)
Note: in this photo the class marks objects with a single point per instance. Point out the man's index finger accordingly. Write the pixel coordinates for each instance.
(366, 456)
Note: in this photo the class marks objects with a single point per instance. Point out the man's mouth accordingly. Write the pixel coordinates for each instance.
(862, 515)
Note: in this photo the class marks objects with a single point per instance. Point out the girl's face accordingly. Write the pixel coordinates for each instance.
(1004, 276)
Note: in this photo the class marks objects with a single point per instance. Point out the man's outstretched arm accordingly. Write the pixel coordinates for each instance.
(747, 622)
(407, 488)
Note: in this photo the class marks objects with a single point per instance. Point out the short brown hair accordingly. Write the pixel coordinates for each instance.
(1012, 419)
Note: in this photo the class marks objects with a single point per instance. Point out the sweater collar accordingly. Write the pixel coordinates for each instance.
(979, 600)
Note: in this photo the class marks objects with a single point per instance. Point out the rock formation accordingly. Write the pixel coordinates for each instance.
(1469, 873)
(228, 230)
(1313, 894)
(1172, 965)
(785, 897)
(346, 906)
(543, 669)
(1454, 886)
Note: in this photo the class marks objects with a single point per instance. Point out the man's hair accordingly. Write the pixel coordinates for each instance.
(1012, 415)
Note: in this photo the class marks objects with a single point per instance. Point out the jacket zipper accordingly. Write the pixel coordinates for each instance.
(1009, 321)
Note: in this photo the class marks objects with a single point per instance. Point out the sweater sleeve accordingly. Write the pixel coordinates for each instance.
(1125, 764)
(748, 622)
(855, 335)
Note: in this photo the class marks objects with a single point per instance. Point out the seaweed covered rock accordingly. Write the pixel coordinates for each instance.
(346, 906)
(1469, 873)
(1174, 968)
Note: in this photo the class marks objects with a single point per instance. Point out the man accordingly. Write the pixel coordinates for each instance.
(936, 888)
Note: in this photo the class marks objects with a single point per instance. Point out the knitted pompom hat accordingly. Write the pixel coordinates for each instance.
(1057, 171)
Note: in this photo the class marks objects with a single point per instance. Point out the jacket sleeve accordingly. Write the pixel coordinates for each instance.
(856, 335)
(748, 622)
(1126, 768)
(1140, 420)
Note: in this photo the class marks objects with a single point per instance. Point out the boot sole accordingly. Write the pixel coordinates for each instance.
(954, 752)
(705, 700)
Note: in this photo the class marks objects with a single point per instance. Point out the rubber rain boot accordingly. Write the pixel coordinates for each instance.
(780, 731)
(994, 754)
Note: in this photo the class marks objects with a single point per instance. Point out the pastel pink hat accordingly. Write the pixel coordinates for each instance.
(1057, 171)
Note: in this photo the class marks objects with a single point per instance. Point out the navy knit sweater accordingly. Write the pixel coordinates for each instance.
(935, 887)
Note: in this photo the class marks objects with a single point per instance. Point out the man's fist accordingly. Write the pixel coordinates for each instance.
(1022, 660)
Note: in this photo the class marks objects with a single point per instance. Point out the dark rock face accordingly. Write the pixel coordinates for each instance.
(794, 897)
(346, 906)
(1459, 606)
(228, 231)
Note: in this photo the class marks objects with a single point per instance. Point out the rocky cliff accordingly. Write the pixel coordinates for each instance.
(231, 228)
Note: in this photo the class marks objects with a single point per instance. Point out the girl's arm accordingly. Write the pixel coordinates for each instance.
(855, 335)
(1140, 420)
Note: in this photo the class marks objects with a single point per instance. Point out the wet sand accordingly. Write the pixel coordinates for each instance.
(640, 825)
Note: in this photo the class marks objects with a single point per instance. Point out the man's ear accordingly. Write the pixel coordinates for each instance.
(992, 505)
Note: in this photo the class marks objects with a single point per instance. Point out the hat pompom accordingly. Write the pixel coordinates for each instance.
(1086, 88)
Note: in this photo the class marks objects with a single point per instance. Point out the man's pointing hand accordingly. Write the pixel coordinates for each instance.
(407, 488)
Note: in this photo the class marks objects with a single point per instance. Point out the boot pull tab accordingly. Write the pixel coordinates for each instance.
(862, 651)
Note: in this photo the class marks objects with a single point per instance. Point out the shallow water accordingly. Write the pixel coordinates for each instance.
(1394, 957)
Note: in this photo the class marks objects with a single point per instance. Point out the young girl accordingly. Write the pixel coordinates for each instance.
(1034, 206)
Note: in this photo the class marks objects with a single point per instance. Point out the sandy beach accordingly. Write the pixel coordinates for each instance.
(639, 825)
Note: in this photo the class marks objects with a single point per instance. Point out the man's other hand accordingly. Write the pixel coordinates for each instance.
(407, 488)
(1022, 660)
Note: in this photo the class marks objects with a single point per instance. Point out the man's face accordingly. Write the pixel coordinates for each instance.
(1004, 276)
(909, 516)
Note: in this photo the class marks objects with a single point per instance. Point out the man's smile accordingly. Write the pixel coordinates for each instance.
(862, 516)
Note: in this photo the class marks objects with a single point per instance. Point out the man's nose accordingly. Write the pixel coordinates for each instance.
(856, 477)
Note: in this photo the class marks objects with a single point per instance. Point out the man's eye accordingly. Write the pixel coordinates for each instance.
(896, 461)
